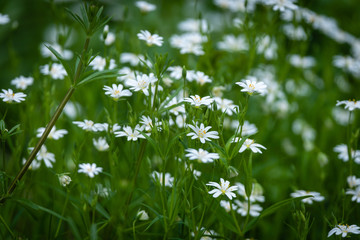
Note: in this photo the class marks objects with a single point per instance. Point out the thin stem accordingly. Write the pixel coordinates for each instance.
(40, 142)
(62, 214)
(7, 227)
(349, 144)
(3, 154)
(138, 164)
(235, 220)
(50, 124)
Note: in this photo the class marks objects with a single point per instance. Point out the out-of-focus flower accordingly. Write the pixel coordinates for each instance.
(56, 71)
(54, 134)
(101, 144)
(159, 177)
(355, 194)
(256, 193)
(150, 39)
(145, 7)
(315, 196)
(44, 155)
(233, 44)
(22, 82)
(243, 208)
(89, 169)
(98, 63)
(202, 133)
(65, 53)
(225, 105)
(353, 181)
(302, 62)
(342, 150)
(282, 5)
(142, 215)
(4, 19)
(222, 189)
(9, 96)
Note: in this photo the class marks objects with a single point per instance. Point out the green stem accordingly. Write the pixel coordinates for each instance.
(40, 142)
(349, 145)
(248, 212)
(62, 214)
(3, 154)
(138, 164)
(235, 220)
(7, 227)
(49, 126)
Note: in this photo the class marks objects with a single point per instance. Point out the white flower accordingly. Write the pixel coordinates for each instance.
(342, 149)
(249, 144)
(4, 19)
(98, 63)
(202, 133)
(87, 125)
(353, 181)
(148, 124)
(256, 193)
(175, 72)
(180, 109)
(110, 37)
(105, 127)
(44, 155)
(56, 71)
(218, 91)
(133, 59)
(142, 215)
(282, 5)
(45, 52)
(150, 39)
(225, 105)
(200, 78)
(243, 208)
(145, 6)
(193, 25)
(116, 91)
(64, 180)
(197, 101)
(226, 205)
(302, 62)
(222, 189)
(355, 193)
(54, 134)
(201, 155)
(35, 164)
(351, 105)
(101, 144)
(89, 169)
(9, 96)
(102, 191)
(233, 44)
(132, 135)
(158, 177)
(300, 193)
(344, 230)
(141, 83)
(248, 129)
(250, 85)
(22, 82)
